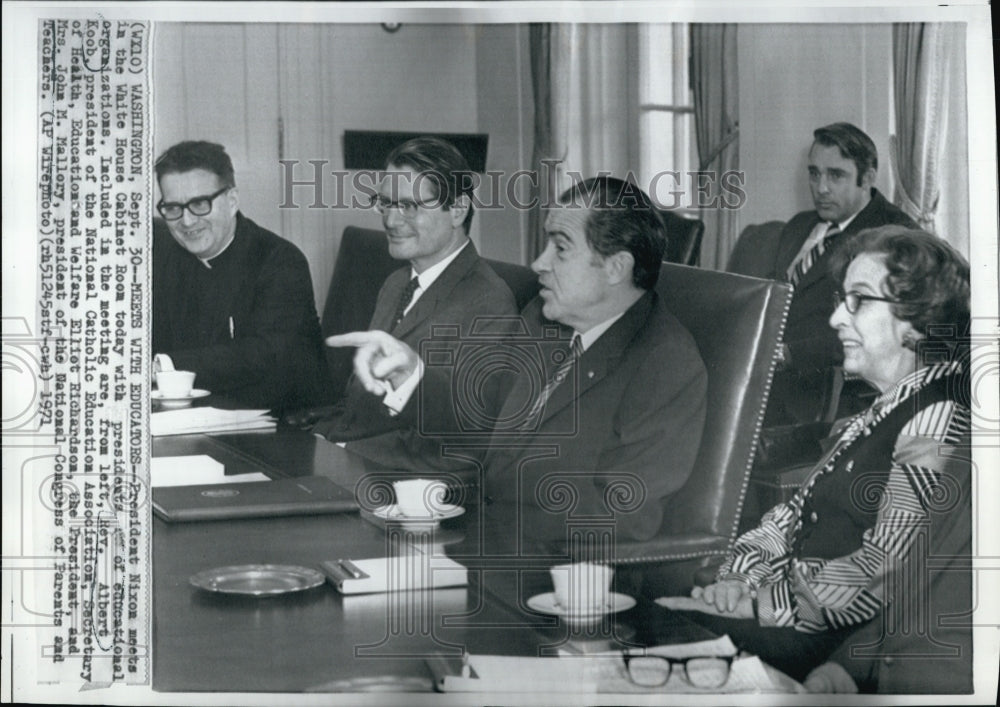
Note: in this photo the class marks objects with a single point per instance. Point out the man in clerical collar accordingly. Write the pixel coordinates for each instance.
(842, 167)
(232, 301)
(619, 388)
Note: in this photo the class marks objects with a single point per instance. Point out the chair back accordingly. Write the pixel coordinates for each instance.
(737, 324)
(683, 238)
(363, 264)
(755, 250)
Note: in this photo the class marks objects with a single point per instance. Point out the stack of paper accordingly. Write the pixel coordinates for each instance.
(208, 420)
(194, 470)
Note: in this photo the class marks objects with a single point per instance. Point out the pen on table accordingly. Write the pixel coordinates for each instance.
(232, 329)
(350, 568)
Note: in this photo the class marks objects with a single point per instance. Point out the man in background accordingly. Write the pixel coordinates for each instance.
(232, 301)
(843, 164)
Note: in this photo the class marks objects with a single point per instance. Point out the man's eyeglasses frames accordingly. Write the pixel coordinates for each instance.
(198, 206)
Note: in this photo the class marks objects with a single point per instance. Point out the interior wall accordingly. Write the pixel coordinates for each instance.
(270, 92)
(349, 77)
(217, 82)
(506, 113)
(795, 78)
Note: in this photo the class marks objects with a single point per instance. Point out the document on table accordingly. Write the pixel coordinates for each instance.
(208, 420)
(194, 470)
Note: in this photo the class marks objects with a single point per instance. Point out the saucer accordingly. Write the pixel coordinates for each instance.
(258, 580)
(546, 604)
(392, 514)
(179, 401)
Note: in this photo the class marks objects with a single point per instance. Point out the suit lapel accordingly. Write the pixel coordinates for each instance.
(385, 308)
(603, 357)
(866, 218)
(439, 292)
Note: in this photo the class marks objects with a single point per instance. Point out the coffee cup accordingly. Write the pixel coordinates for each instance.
(582, 587)
(419, 498)
(175, 384)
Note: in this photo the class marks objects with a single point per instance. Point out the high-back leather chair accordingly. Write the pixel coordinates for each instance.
(755, 250)
(737, 323)
(363, 264)
(683, 238)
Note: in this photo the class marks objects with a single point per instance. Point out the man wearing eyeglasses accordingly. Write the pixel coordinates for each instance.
(232, 301)
(842, 167)
(425, 200)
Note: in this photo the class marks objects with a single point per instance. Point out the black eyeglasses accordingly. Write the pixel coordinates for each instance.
(199, 206)
(408, 208)
(707, 672)
(852, 300)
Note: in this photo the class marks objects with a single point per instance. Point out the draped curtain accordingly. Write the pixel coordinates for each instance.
(585, 118)
(716, 110)
(926, 58)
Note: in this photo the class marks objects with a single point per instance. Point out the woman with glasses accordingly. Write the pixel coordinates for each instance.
(843, 548)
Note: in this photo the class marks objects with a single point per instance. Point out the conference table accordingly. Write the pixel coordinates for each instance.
(320, 639)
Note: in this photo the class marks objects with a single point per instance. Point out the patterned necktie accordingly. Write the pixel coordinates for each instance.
(801, 266)
(404, 300)
(558, 376)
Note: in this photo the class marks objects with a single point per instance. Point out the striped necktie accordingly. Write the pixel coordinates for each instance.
(404, 300)
(801, 266)
(558, 376)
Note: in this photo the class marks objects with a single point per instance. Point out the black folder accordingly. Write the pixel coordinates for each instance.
(305, 495)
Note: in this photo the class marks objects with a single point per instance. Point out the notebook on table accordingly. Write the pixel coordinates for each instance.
(305, 495)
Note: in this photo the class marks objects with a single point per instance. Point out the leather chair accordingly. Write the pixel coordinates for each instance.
(755, 249)
(737, 323)
(683, 238)
(786, 453)
(363, 264)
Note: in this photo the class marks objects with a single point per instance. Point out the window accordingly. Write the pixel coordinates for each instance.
(668, 150)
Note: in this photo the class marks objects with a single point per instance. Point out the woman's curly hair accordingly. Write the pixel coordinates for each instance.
(927, 277)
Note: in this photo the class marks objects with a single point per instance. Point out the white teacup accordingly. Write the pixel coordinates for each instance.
(175, 384)
(582, 587)
(419, 498)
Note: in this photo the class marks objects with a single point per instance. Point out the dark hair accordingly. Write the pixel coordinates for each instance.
(853, 144)
(443, 165)
(622, 217)
(196, 154)
(927, 277)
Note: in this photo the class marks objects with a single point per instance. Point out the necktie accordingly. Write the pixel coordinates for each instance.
(404, 300)
(561, 373)
(801, 266)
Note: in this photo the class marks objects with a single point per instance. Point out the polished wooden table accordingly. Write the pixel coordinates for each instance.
(320, 639)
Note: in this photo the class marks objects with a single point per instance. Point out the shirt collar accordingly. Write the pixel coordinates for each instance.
(908, 384)
(207, 262)
(592, 334)
(428, 276)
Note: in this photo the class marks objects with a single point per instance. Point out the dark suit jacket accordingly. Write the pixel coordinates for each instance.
(468, 290)
(618, 437)
(813, 344)
(272, 357)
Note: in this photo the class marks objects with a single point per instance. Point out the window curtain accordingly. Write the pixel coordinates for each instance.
(927, 58)
(585, 117)
(716, 115)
